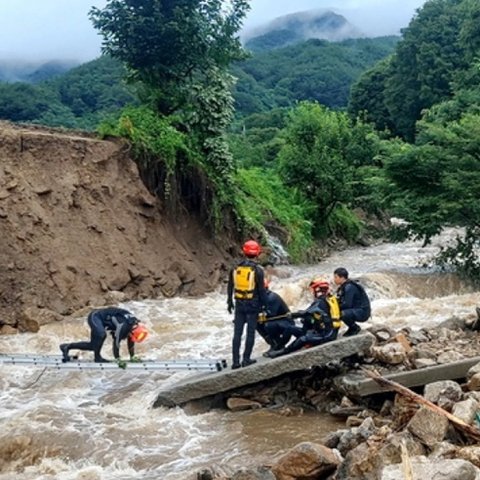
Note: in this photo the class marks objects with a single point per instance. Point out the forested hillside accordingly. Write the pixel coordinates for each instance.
(85, 95)
(314, 70)
(79, 98)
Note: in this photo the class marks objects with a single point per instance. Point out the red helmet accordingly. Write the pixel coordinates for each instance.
(251, 248)
(318, 284)
(138, 334)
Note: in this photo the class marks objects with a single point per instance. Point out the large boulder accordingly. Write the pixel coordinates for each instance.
(444, 393)
(429, 427)
(306, 461)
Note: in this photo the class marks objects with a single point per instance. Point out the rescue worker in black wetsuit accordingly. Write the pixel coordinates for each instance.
(119, 322)
(354, 301)
(273, 326)
(320, 321)
(246, 287)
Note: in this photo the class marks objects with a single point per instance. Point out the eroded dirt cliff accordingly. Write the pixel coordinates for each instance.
(78, 226)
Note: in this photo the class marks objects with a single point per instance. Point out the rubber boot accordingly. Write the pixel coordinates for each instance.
(353, 330)
(277, 353)
(101, 360)
(65, 347)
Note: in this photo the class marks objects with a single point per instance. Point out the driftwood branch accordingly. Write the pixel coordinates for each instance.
(468, 430)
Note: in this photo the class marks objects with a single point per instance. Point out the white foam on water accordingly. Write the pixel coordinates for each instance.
(70, 425)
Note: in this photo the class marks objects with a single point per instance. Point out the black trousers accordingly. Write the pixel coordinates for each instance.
(244, 315)
(97, 337)
(280, 332)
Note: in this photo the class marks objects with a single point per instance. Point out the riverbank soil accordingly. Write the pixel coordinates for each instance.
(79, 229)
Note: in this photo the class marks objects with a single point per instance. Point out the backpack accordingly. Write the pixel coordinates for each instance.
(365, 298)
(244, 278)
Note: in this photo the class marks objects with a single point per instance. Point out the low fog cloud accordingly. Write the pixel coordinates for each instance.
(41, 30)
(373, 17)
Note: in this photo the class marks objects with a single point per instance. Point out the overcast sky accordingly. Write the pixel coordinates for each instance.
(39, 30)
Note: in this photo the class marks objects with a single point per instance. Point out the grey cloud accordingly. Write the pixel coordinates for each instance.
(41, 30)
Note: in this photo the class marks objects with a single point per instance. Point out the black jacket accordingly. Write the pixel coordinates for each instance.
(276, 306)
(119, 323)
(354, 301)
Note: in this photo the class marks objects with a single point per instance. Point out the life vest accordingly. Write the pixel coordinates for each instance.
(334, 306)
(244, 282)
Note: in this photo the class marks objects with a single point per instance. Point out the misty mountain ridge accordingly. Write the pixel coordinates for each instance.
(299, 27)
(32, 72)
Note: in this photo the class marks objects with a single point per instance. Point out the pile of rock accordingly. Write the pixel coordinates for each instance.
(398, 438)
(402, 437)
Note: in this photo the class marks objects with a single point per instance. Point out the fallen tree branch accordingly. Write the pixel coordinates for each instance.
(406, 463)
(468, 430)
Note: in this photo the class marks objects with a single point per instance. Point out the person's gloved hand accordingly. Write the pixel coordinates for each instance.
(121, 363)
(230, 306)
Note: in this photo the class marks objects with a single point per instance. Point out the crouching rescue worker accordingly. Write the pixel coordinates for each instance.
(246, 295)
(320, 321)
(273, 325)
(354, 301)
(119, 322)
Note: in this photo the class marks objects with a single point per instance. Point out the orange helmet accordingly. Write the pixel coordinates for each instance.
(138, 334)
(318, 284)
(251, 248)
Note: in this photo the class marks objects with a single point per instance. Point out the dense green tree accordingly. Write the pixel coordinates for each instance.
(470, 31)
(423, 64)
(318, 157)
(167, 44)
(179, 53)
(436, 50)
(256, 140)
(367, 97)
(431, 93)
(437, 183)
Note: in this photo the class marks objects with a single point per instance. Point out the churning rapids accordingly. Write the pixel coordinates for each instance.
(100, 426)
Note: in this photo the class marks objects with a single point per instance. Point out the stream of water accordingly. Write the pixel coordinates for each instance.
(70, 425)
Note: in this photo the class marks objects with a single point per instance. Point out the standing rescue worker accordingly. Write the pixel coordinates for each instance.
(354, 301)
(246, 295)
(119, 322)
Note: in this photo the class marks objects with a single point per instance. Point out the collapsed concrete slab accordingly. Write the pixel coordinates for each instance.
(205, 385)
(356, 385)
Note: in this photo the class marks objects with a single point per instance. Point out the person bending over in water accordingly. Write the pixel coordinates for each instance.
(120, 323)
